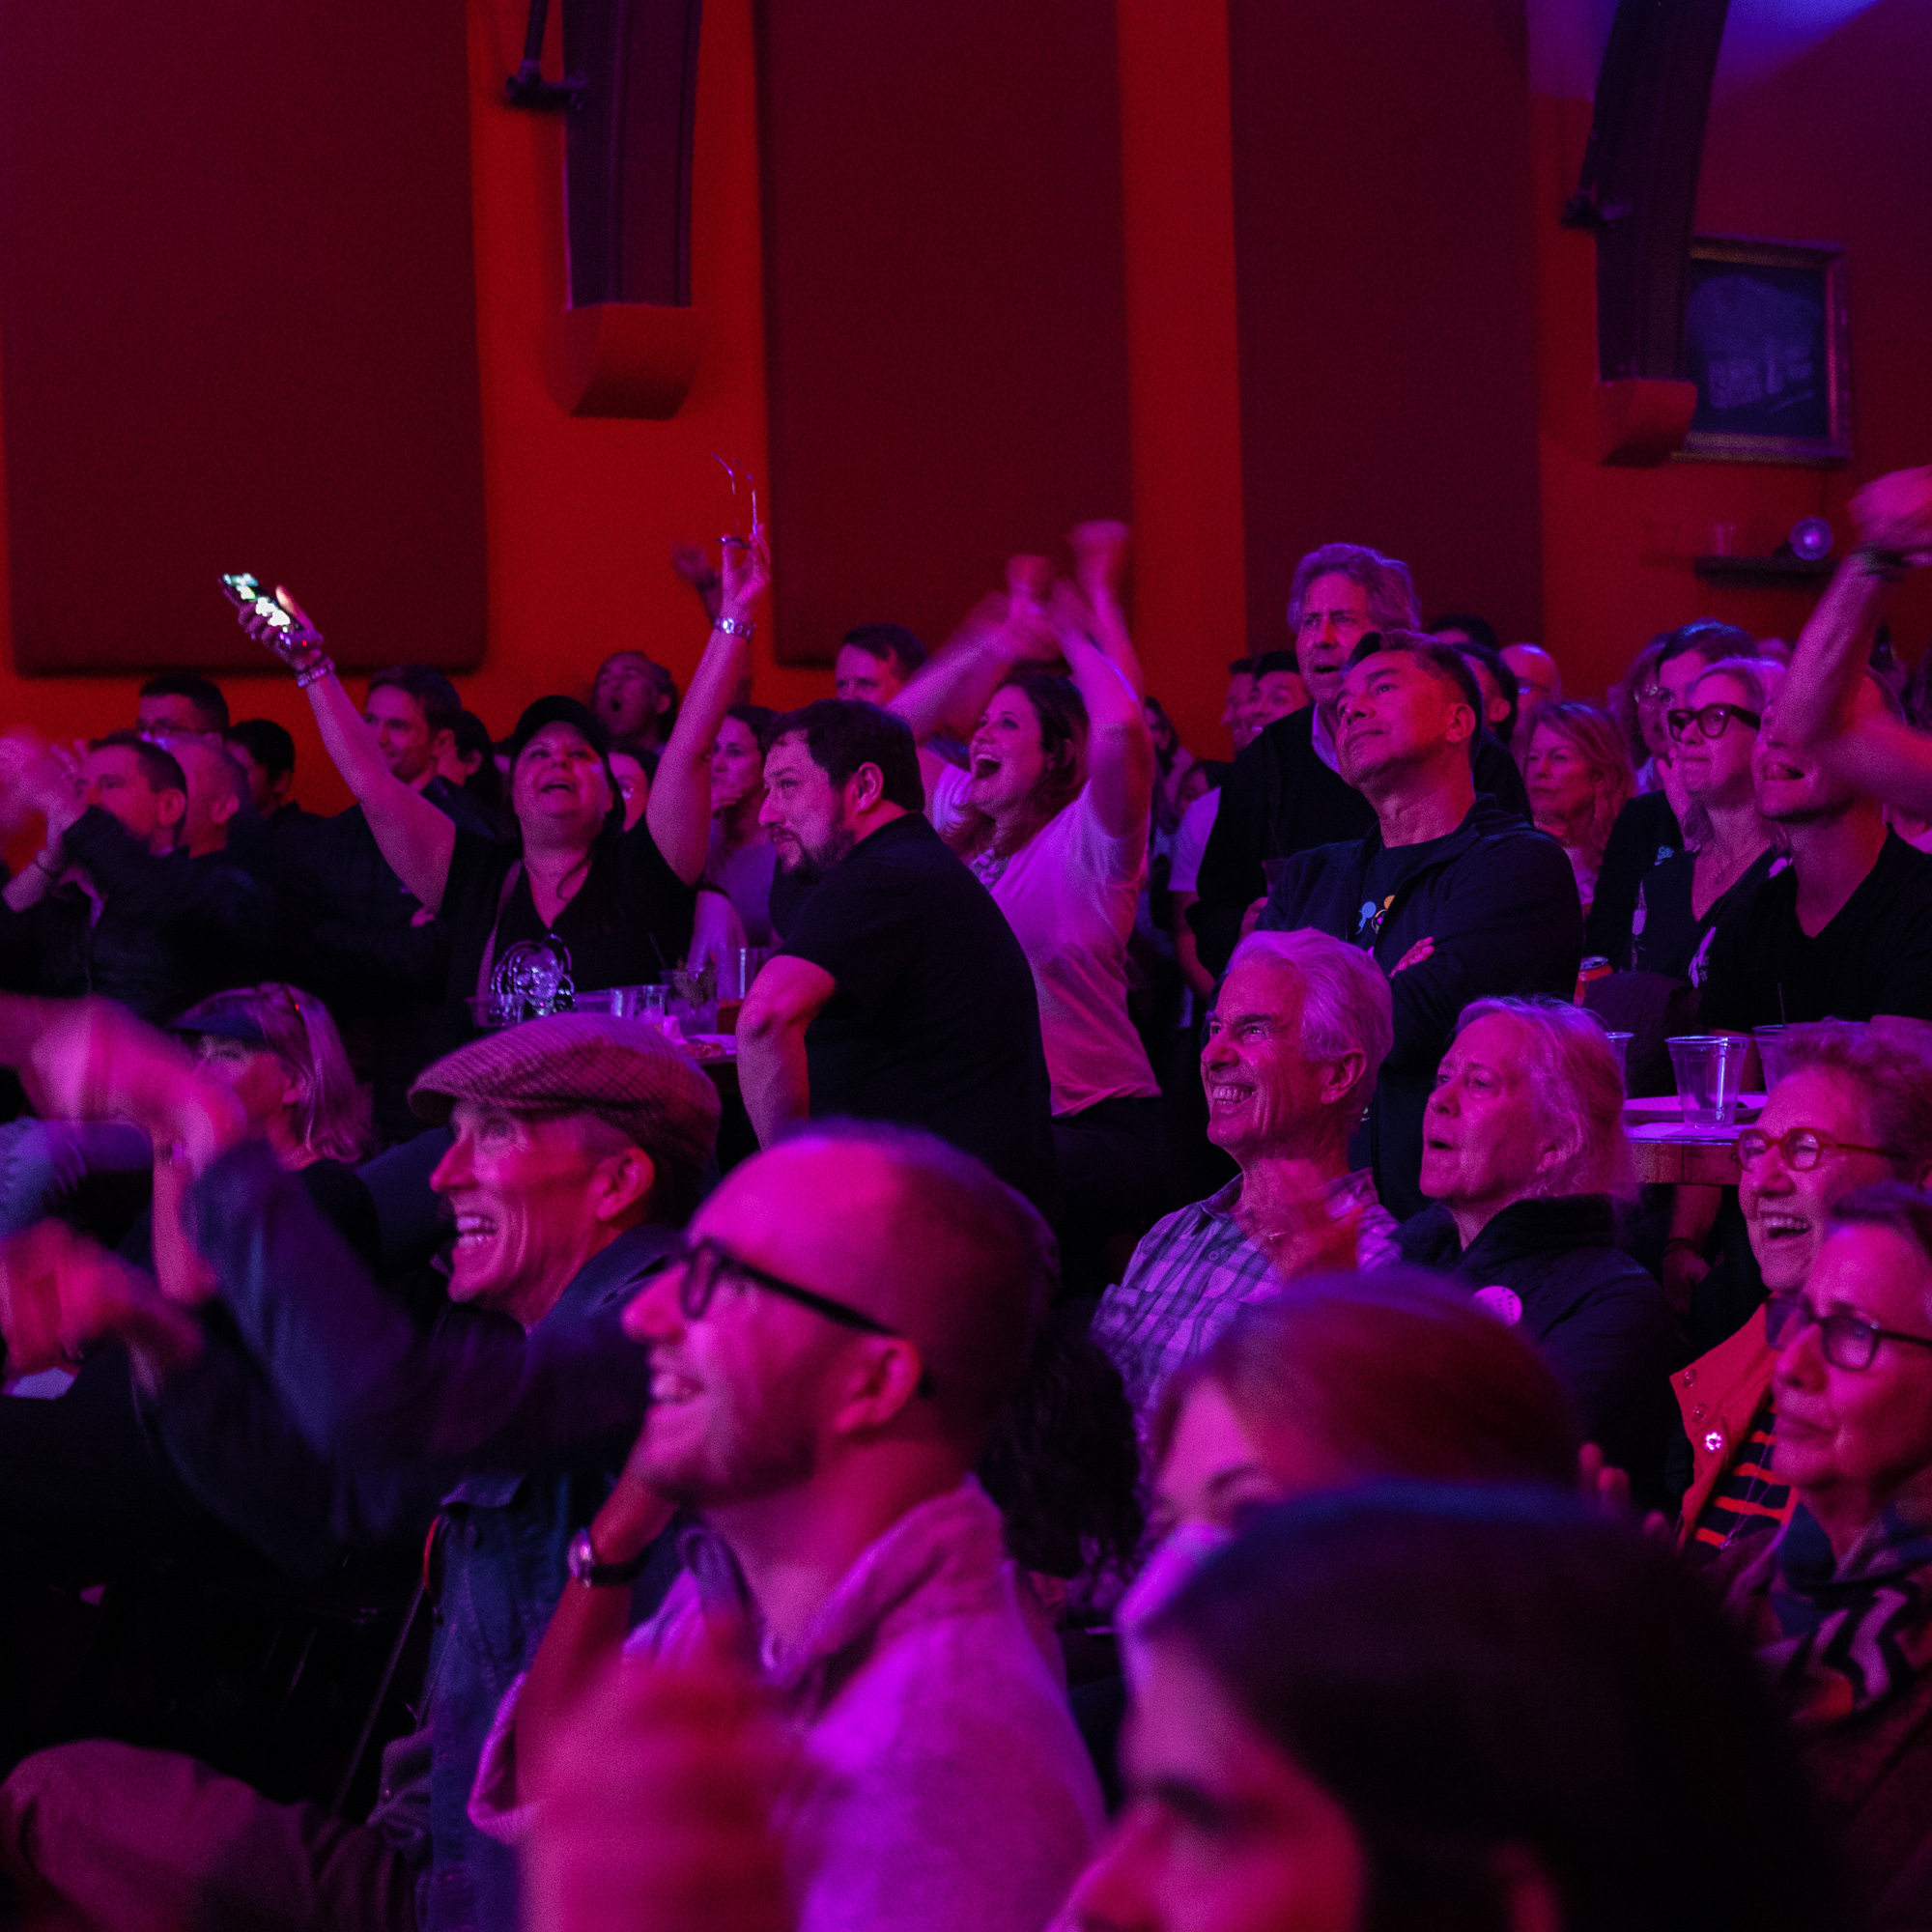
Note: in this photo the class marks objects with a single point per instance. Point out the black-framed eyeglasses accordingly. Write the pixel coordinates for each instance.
(1848, 1341)
(708, 1261)
(1711, 721)
(1801, 1148)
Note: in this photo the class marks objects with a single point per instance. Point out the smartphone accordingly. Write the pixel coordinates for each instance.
(244, 591)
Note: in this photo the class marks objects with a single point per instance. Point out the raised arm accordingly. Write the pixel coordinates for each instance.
(413, 834)
(1120, 747)
(1816, 703)
(949, 693)
(679, 811)
(1100, 568)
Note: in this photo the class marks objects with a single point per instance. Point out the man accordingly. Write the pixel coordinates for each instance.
(827, 1366)
(1300, 1028)
(638, 702)
(876, 661)
(1286, 792)
(349, 928)
(115, 905)
(1538, 681)
(899, 992)
(179, 704)
(1494, 680)
(1454, 897)
(1234, 705)
(1276, 691)
(1845, 929)
(578, 1146)
(216, 791)
(266, 755)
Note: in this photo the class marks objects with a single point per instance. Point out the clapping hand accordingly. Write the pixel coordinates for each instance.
(38, 777)
(1894, 513)
(59, 1292)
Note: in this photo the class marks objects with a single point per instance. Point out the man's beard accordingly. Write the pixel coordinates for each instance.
(814, 861)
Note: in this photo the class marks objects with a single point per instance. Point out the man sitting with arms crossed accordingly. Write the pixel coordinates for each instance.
(827, 1364)
(1293, 1043)
(1454, 897)
(900, 992)
(579, 1145)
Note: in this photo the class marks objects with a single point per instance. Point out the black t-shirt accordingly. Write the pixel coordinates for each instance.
(1645, 835)
(1388, 869)
(630, 921)
(935, 1022)
(1666, 935)
(1874, 956)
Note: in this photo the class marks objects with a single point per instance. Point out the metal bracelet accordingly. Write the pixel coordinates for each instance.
(323, 667)
(735, 627)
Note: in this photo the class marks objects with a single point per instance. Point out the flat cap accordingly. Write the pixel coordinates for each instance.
(623, 1071)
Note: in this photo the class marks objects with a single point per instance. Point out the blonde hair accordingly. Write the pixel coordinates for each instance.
(332, 1116)
(1593, 733)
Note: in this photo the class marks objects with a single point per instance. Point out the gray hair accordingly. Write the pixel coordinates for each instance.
(1392, 604)
(1890, 1060)
(1578, 1091)
(1346, 1005)
(1760, 677)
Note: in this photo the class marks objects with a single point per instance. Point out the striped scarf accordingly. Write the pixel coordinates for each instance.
(1841, 1638)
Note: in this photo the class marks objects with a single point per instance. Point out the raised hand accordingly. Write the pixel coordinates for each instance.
(1099, 559)
(286, 631)
(653, 1810)
(1894, 513)
(747, 570)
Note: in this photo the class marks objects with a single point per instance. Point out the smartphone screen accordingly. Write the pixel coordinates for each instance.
(244, 591)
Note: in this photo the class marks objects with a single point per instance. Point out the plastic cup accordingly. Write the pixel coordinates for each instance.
(1771, 1053)
(653, 1003)
(1620, 1047)
(1709, 1069)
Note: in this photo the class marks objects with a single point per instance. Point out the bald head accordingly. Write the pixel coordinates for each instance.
(217, 789)
(1538, 680)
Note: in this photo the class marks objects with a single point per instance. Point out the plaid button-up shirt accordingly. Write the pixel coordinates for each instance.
(1191, 1274)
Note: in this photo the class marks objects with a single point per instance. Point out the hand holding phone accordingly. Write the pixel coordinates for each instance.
(278, 622)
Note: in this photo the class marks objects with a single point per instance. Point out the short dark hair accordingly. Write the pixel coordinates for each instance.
(266, 743)
(757, 719)
(159, 766)
(887, 641)
(473, 741)
(843, 733)
(1478, 630)
(1710, 638)
(1273, 661)
(1508, 683)
(441, 705)
(1444, 660)
(1475, 1667)
(1241, 667)
(203, 693)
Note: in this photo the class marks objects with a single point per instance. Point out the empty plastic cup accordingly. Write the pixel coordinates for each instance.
(1709, 1068)
(1771, 1053)
(1620, 1047)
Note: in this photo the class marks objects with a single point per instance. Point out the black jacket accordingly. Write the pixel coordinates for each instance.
(171, 930)
(1601, 1321)
(1500, 902)
(1280, 799)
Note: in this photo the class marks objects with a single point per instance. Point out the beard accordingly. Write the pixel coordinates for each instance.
(731, 1467)
(814, 861)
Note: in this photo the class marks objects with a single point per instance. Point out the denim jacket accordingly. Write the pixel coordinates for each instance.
(321, 1336)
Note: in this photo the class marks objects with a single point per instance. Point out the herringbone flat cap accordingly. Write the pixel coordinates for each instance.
(624, 1071)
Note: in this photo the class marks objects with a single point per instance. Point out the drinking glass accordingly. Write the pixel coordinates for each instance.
(1709, 1069)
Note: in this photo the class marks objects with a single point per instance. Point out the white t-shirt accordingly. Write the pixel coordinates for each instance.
(1190, 841)
(1069, 893)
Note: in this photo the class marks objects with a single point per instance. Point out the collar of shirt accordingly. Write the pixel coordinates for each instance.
(1324, 741)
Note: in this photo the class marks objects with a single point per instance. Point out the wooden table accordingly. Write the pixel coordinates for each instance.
(1665, 1150)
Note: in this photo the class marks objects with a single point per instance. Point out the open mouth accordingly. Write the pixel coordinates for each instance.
(1775, 1228)
(984, 767)
(669, 1389)
(1782, 774)
(1224, 1093)
(473, 1230)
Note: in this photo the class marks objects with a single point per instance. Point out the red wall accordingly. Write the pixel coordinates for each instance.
(1836, 147)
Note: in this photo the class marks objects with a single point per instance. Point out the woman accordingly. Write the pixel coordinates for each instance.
(1579, 777)
(1408, 1709)
(634, 785)
(1839, 1600)
(1524, 1148)
(1052, 816)
(742, 859)
(619, 901)
(1681, 898)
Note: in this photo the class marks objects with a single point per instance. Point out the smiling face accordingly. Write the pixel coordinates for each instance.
(1276, 694)
(737, 765)
(858, 673)
(1265, 1094)
(1718, 771)
(742, 1398)
(402, 732)
(1223, 1832)
(559, 784)
(1852, 1438)
(1235, 710)
(1484, 1144)
(1784, 1210)
(1562, 785)
(1791, 790)
(1007, 759)
(1396, 711)
(529, 1196)
(1334, 617)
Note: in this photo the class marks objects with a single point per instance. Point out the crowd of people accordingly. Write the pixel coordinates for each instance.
(1133, 1386)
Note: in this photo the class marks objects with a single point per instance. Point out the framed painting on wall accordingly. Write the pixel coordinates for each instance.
(1765, 343)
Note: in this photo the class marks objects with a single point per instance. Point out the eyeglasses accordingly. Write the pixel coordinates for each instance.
(1801, 1148)
(1848, 1341)
(707, 1262)
(1711, 721)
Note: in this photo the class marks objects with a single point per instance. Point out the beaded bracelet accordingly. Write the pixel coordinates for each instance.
(322, 668)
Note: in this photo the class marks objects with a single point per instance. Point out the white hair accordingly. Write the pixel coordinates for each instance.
(1344, 1004)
